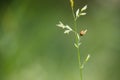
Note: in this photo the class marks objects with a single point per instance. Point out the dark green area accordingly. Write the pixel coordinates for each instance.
(33, 48)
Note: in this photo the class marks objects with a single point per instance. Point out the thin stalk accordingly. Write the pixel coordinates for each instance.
(74, 19)
(79, 60)
(77, 41)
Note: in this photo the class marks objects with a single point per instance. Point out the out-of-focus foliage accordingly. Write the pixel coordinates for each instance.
(33, 48)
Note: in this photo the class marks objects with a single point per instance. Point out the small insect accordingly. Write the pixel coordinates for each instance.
(83, 32)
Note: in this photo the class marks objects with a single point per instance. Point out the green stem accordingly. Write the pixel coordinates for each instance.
(77, 41)
(79, 60)
(74, 19)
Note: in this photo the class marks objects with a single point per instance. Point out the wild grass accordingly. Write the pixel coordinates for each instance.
(78, 35)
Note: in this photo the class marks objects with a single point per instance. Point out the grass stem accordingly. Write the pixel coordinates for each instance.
(77, 41)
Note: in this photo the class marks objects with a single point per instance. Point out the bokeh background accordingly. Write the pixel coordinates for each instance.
(33, 48)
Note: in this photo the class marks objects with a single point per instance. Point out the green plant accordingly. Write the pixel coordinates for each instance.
(78, 35)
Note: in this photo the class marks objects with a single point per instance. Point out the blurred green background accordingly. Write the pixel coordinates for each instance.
(33, 48)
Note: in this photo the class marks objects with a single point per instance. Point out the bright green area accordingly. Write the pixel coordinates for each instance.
(33, 48)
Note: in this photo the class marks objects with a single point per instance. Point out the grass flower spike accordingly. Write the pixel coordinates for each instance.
(84, 8)
(67, 29)
(72, 3)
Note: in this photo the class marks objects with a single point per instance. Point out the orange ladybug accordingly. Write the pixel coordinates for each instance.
(83, 32)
